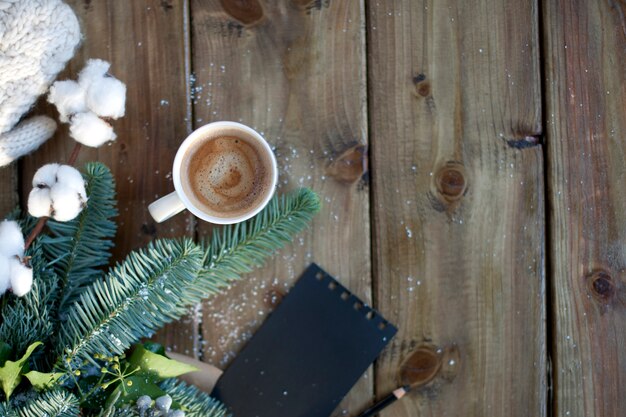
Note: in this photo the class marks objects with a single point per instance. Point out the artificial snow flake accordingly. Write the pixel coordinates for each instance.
(59, 192)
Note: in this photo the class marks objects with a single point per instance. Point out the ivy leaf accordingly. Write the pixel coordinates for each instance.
(41, 381)
(11, 372)
(155, 367)
(128, 394)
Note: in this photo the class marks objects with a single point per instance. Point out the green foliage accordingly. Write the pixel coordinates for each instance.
(11, 372)
(55, 403)
(79, 248)
(87, 317)
(7, 411)
(157, 367)
(241, 247)
(42, 381)
(147, 369)
(136, 298)
(191, 400)
(28, 319)
(156, 285)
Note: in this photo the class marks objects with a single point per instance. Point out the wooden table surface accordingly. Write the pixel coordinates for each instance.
(470, 156)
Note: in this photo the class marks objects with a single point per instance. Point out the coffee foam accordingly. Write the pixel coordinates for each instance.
(226, 175)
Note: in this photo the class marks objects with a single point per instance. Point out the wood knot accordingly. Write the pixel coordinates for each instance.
(245, 11)
(350, 166)
(420, 367)
(450, 182)
(273, 297)
(166, 5)
(422, 86)
(601, 285)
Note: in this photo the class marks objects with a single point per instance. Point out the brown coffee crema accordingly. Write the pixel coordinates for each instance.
(227, 175)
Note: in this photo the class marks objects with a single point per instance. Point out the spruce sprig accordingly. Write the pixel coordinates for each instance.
(29, 319)
(136, 298)
(54, 403)
(79, 248)
(195, 402)
(82, 312)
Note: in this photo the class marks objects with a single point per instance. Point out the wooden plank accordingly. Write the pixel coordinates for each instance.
(586, 137)
(457, 169)
(295, 71)
(8, 189)
(146, 43)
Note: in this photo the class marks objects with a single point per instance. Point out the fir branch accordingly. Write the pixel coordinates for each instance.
(55, 403)
(193, 402)
(244, 246)
(156, 285)
(81, 246)
(28, 319)
(7, 411)
(137, 297)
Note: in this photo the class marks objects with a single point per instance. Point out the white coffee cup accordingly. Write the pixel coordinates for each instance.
(179, 200)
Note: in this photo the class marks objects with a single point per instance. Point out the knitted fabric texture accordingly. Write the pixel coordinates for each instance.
(37, 38)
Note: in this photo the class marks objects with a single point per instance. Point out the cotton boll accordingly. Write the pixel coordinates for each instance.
(39, 202)
(46, 175)
(94, 71)
(5, 275)
(21, 277)
(11, 239)
(90, 130)
(107, 97)
(66, 203)
(69, 176)
(68, 97)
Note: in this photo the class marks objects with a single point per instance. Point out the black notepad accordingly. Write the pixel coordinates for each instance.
(307, 355)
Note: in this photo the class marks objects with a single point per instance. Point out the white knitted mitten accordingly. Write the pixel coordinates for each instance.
(37, 38)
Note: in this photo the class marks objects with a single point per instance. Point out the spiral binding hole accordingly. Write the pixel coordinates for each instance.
(345, 295)
(332, 285)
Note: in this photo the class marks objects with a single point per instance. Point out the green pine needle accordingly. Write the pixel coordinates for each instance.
(30, 318)
(244, 246)
(157, 285)
(136, 298)
(55, 403)
(193, 402)
(79, 248)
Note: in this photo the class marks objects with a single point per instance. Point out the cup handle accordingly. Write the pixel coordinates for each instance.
(166, 207)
